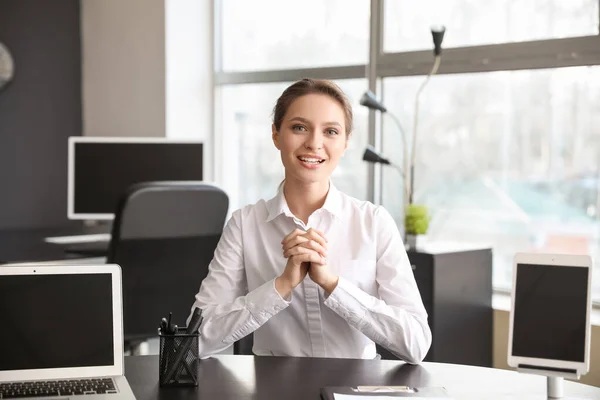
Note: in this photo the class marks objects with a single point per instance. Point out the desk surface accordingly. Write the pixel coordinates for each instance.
(28, 245)
(247, 377)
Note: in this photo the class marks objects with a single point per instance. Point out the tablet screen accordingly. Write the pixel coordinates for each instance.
(550, 312)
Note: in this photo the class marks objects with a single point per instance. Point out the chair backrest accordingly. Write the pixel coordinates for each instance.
(244, 345)
(164, 237)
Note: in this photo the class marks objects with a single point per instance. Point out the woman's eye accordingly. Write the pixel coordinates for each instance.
(299, 128)
(332, 132)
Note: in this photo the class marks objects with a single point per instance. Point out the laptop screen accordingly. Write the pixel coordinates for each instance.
(550, 312)
(56, 321)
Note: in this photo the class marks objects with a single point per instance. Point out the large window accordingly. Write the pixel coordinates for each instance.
(476, 22)
(509, 159)
(509, 139)
(275, 34)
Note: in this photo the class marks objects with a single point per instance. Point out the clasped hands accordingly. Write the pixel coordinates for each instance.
(307, 254)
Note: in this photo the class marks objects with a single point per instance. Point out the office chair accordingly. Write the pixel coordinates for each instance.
(164, 237)
(244, 345)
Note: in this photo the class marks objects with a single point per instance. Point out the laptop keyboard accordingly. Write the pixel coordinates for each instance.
(73, 387)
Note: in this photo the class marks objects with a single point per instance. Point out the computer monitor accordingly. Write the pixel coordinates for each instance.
(550, 325)
(100, 170)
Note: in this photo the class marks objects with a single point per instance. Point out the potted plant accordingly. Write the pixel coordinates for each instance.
(416, 223)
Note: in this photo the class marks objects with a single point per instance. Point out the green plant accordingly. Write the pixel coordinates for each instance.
(416, 219)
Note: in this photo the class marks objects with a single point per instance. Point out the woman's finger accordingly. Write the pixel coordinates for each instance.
(295, 241)
(320, 233)
(292, 235)
(309, 257)
(315, 235)
(314, 245)
(294, 251)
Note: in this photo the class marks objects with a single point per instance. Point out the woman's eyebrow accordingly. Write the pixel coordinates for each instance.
(300, 119)
(304, 120)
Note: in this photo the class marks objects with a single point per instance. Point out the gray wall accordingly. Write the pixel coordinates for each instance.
(39, 109)
(123, 49)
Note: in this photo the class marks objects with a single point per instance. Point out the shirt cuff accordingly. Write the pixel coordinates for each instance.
(349, 302)
(265, 302)
(287, 300)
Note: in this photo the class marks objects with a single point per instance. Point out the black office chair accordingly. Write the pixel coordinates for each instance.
(244, 345)
(164, 237)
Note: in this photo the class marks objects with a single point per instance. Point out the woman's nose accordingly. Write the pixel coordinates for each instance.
(314, 141)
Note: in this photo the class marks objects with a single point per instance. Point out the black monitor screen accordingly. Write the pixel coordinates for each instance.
(104, 171)
(550, 312)
(56, 321)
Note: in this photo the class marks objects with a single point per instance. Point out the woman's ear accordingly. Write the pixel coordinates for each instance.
(275, 136)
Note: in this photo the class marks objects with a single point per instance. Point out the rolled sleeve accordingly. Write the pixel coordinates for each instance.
(264, 302)
(349, 302)
(396, 318)
(230, 311)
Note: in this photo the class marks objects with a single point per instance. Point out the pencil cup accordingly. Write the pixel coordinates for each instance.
(178, 358)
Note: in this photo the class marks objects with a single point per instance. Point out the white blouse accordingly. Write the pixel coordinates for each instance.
(375, 301)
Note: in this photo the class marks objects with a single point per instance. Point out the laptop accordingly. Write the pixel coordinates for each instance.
(61, 332)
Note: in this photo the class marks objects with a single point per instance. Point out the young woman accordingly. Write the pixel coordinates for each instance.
(312, 271)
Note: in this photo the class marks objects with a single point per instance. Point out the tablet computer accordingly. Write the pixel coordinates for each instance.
(550, 328)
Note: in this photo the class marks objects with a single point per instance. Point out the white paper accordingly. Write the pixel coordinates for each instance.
(363, 396)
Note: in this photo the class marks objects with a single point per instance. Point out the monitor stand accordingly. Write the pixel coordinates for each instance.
(554, 386)
(94, 225)
(90, 231)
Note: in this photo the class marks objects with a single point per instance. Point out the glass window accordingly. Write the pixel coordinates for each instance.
(253, 169)
(472, 22)
(510, 159)
(280, 34)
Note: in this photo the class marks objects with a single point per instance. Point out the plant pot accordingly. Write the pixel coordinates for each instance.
(414, 241)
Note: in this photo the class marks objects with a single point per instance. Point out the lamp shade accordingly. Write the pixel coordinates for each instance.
(368, 100)
(371, 156)
(437, 32)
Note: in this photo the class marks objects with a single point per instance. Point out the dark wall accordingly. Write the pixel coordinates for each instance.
(39, 110)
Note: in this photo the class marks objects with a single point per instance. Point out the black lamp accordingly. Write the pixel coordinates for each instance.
(437, 31)
(372, 156)
(369, 100)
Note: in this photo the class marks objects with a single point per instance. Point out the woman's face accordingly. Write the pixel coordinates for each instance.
(312, 138)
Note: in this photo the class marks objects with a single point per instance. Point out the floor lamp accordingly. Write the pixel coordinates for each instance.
(369, 100)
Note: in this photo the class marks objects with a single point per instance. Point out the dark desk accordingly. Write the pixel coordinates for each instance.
(247, 377)
(28, 245)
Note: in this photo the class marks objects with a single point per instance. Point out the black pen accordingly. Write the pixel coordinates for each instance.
(195, 321)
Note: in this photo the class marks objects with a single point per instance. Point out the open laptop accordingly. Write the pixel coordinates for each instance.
(62, 332)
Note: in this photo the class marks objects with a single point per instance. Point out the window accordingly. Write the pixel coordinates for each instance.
(247, 118)
(279, 34)
(508, 144)
(473, 22)
(506, 158)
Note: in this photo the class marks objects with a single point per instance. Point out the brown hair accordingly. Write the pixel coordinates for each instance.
(312, 86)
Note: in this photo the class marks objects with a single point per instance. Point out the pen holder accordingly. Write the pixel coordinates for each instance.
(178, 357)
